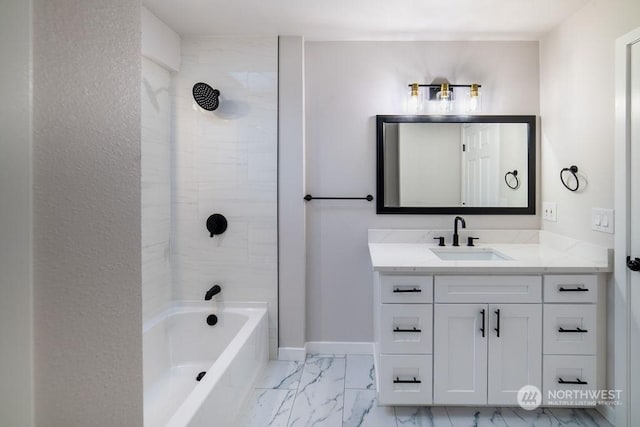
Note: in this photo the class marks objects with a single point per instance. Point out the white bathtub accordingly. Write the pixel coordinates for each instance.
(178, 344)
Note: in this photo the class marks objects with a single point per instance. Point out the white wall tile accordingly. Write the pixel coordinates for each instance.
(226, 162)
(156, 188)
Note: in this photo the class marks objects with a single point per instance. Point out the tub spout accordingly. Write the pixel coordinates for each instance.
(215, 289)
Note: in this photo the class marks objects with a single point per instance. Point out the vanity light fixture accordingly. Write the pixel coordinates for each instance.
(415, 99)
(444, 98)
(475, 99)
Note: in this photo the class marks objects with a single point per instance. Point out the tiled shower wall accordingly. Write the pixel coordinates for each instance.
(156, 188)
(225, 162)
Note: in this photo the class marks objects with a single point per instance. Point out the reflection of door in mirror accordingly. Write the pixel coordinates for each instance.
(480, 164)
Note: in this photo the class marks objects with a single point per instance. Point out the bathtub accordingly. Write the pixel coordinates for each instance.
(178, 344)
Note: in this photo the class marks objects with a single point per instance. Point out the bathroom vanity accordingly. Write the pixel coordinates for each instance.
(472, 325)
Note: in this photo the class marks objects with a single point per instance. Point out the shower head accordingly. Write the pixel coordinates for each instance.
(206, 96)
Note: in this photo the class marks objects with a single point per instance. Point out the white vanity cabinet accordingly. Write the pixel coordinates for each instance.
(404, 339)
(574, 334)
(448, 339)
(489, 345)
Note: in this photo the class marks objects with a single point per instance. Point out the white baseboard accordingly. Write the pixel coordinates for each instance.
(292, 353)
(333, 347)
(324, 347)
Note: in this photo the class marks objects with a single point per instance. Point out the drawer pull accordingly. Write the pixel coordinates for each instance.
(407, 330)
(578, 289)
(401, 291)
(413, 381)
(483, 322)
(576, 330)
(577, 381)
(497, 328)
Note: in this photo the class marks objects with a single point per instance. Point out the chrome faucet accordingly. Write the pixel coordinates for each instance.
(455, 229)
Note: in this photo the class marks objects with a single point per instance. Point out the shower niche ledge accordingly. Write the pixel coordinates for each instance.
(474, 331)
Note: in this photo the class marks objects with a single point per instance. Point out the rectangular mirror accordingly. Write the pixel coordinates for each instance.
(456, 164)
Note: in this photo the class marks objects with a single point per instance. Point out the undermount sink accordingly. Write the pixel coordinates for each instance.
(469, 254)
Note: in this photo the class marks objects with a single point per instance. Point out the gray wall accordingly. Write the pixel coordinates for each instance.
(291, 186)
(86, 159)
(347, 84)
(16, 325)
(577, 91)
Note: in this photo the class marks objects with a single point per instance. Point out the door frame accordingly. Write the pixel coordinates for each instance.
(622, 219)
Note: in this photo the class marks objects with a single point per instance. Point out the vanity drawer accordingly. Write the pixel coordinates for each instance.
(488, 289)
(571, 288)
(406, 289)
(405, 380)
(569, 329)
(567, 373)
(406, 328)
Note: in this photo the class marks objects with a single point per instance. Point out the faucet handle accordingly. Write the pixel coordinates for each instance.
(470, 240)
(440, 241)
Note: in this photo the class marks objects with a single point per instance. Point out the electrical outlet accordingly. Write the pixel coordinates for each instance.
(602, 220)
(549, 211)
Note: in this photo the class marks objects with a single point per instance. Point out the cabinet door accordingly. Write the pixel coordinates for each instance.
(460, 354)
(515, 350)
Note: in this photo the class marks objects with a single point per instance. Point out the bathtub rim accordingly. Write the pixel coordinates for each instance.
(255, 311)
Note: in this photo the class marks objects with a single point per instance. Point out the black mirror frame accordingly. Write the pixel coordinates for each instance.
(530, 209)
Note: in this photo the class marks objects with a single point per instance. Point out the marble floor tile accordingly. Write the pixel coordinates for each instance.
(320, 397)
(361, 410)
(476, 417)
(360, 372)
(422, 416)
(281, 374)
(518, 417)
(268, 408)
(579, 418)
(316, 355)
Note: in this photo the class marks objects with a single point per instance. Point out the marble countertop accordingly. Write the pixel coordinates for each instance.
(540, 252)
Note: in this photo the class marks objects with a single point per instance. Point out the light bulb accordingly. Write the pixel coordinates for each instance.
(445, 98)
(415, 101)
(475, 100)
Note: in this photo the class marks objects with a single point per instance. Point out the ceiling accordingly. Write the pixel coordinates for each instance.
(367, 19)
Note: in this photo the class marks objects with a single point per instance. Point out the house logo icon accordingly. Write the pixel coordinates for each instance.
(529, 397)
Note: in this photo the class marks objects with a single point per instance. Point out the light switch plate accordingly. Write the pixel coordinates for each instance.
(602, 220)
(549, 211)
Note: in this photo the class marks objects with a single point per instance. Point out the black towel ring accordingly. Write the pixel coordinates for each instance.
(573, 169)
(515, 175)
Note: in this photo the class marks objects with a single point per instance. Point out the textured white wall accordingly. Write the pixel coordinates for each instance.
(577, 112)
(86, 160)
(226, 162)
(156, 188)
(347, 84)
(16, 324)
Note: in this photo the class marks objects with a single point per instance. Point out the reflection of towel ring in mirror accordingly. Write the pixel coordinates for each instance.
(515, 176)
(573, 169)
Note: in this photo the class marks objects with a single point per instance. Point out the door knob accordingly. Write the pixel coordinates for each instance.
(633, 264)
